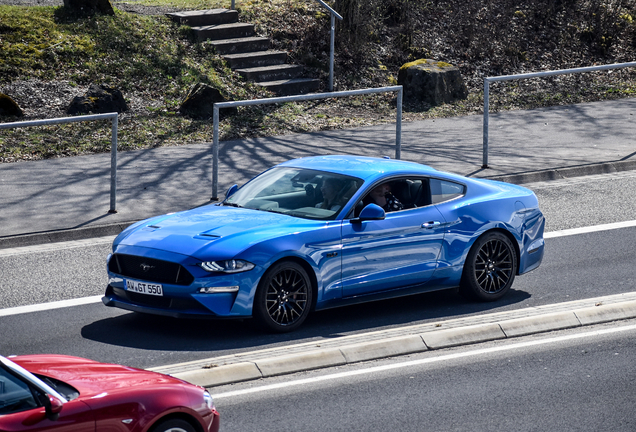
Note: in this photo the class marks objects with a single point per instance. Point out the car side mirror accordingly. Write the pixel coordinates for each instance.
(370, 212)
(52, 406)
(231, 191)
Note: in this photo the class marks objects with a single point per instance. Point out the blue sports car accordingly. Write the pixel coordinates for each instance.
(326, 231)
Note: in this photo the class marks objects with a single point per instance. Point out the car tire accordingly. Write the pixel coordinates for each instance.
(284, 297)
(490, 268)
(174, 425)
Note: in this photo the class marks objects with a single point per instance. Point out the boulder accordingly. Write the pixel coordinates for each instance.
(432, 82)
(87, 7)
(200, 100)
(99, 99)
(8, 107)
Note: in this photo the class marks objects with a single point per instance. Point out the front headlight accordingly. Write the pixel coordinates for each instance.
(227, 266)
(208, 400)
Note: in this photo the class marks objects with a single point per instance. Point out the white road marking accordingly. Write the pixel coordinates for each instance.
(420, 362)
(48, 306)
(48, 247)
(589, 229)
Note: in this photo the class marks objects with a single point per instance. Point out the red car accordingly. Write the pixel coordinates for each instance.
(62, 393)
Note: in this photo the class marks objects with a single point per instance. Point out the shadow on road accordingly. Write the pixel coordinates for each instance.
(222, 337)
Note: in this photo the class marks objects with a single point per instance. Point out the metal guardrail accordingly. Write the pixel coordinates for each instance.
(334, 15)
(311, 96)
(93, 117)
(488, 80)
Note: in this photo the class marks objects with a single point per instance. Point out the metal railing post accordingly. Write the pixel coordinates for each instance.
(113, 165)
(332, 45)
(334, 15)
(398, 125)
(215, 153)
(484, 164)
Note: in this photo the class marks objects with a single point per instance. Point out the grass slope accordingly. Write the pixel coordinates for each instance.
(154, 62)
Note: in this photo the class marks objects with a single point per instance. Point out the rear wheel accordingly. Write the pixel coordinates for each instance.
(490, 268)
(284, 297)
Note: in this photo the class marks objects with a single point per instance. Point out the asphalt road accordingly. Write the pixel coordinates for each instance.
(575, 267)
(572, 380)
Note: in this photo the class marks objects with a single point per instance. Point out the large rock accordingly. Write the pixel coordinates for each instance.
(200, 100)
(8, 107)
(88, 7)
(99, 99)
(432, 82)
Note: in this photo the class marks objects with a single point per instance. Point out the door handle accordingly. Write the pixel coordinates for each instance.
(431, 224)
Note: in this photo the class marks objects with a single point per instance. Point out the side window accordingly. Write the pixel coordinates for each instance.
(442, 190)
(395, 195)
(15, 395)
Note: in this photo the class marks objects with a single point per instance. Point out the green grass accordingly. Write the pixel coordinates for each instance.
(134, 52)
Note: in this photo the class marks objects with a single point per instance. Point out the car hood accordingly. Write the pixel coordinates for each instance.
(195, 231)
(89, 377)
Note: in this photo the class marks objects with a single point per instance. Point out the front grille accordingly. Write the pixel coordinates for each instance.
(150, 269)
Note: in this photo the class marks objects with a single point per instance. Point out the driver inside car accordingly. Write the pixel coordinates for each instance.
(382, 196)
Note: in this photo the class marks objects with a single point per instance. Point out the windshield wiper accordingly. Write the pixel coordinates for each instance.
(231, 205)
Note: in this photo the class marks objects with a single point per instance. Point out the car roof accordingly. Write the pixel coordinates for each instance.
(359, 166)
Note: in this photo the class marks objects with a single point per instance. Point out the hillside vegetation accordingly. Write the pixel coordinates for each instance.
(49, 56)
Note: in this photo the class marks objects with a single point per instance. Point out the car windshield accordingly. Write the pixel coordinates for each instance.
(305, 193)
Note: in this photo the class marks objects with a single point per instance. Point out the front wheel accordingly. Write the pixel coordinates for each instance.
(283, 298)
(173, 425)
(490, 268)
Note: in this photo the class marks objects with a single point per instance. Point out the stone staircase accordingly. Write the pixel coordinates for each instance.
(245, 52)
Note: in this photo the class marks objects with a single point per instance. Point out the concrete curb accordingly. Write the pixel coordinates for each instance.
(567, 172)
(33, 239)
(313, 359)
(532, 325)
(463, 336)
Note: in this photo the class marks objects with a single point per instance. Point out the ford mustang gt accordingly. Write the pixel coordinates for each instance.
(326, 231)
(61, 393)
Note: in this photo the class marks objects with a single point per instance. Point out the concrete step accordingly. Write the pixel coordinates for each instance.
(246, 53)
(291, 86)
(271, 73)
(204, 17)
(240, 45)
(224, 31)
(255, 59)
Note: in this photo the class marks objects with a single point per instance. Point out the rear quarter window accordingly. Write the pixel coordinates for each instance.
(443, 190)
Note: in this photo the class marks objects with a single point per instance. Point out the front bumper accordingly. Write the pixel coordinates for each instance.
(169, 306)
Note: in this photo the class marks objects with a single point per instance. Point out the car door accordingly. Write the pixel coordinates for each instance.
(20, 411)
(75, 417)
(399, 251)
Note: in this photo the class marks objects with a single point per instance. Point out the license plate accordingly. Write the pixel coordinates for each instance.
(144, 287)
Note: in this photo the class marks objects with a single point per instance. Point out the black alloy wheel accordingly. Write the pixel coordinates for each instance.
(284, 297)
(490, 267)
